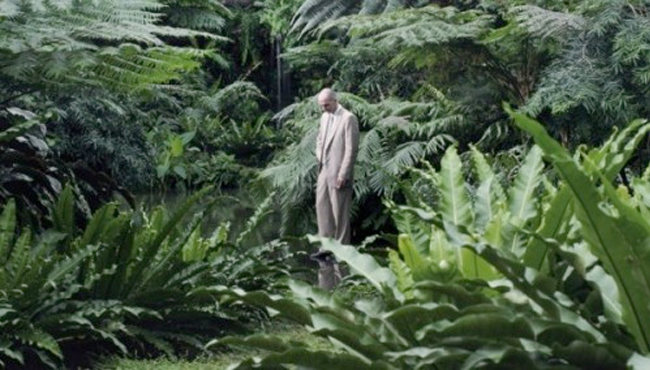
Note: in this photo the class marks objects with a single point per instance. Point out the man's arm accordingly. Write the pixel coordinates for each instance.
(319, 140)
(351, 148)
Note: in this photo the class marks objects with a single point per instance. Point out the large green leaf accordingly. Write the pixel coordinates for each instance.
(418, 265)
(402, 273)
(554, 218)
(523, 200)
(455, 205)
(63, 214)
(610, 159)
(490, 194)
(621, 241)
(277, 304)
(381, 278)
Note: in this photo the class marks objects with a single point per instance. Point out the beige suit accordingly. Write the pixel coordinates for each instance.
(336, 150)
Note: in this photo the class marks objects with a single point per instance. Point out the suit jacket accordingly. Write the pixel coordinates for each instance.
(337, 146)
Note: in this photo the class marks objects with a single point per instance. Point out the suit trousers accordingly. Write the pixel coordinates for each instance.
(333, 210)
(333, 218)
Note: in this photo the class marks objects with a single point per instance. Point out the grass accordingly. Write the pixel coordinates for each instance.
(283, 330)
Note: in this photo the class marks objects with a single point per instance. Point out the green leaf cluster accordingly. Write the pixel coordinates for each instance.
(566, 290)
(442, 325)
(130, 282)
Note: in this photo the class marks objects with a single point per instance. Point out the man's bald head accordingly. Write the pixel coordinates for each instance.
(327, 100)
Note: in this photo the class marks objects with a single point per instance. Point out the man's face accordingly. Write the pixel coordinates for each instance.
(327, 104)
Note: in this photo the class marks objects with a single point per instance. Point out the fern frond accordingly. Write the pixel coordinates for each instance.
(405, 155)
(544, 23)
(604, 15)
(582, 78)
(314, 12)
(59, 41)
(7, 230)
(130, 66)
(630, 44)
(293, 177)
(230, 96)
(415, 27)
(205, 15)
(438, 143)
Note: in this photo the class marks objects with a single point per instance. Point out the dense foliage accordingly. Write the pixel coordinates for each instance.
(537, 252)
(131, 282)
(488, 281)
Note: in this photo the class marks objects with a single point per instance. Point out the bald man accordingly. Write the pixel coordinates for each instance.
(336, 150)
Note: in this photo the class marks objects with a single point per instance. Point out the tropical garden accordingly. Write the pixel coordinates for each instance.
(157, 172)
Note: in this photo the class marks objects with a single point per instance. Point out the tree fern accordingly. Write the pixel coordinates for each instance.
(581, 79)
(61, 40)
(599, 69)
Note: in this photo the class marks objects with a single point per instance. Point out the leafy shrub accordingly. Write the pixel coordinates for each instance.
(131, 282)
(33, 175)
(105, 137)
(453, 325)
(213, 137)
(570, 294)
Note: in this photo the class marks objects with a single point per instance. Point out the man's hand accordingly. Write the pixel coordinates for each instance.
(341, 183)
